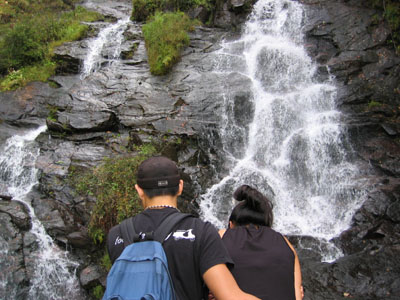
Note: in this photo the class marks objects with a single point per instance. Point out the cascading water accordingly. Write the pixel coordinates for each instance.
(106, 45)
(295, 148)
(53, 272)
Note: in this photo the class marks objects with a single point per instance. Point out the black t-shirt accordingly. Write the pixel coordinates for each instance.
(264, 263)
(191, 250)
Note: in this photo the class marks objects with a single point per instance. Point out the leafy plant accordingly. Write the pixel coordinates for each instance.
(113, 185)
(165, 35)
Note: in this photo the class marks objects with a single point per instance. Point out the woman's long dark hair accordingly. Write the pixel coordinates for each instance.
(255, 208)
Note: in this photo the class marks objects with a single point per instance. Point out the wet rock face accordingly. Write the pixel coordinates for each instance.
(342, 36)
(111, 112)
(14, 223)
(122, 106)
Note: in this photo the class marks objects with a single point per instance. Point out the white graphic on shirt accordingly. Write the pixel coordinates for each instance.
(118, 241)
(184, 235)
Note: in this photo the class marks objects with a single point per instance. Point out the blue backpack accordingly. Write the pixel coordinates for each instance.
(141, 271)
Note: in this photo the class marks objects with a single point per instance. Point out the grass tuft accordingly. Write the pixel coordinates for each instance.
(165, 35)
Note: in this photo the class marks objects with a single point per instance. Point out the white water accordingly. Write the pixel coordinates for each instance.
(53, 272)
(105, 47)
(296, 143)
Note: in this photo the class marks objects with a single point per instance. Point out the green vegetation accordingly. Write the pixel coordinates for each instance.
(29, 31)
(53, 110)
(166, 30)
(98, 292)
(391, 13)
(142, 9)
(106, 261)
(113, 185)
(373, 104)
(165, 35)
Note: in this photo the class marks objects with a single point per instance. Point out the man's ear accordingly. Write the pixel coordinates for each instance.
(231, 225)
(180, 187)
(140, 192)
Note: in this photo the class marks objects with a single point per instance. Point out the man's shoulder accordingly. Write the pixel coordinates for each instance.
(197, 222)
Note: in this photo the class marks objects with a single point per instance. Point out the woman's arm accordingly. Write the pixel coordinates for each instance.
(298, 287)
(222, 284)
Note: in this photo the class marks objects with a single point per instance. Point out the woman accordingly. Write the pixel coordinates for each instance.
(266, 264)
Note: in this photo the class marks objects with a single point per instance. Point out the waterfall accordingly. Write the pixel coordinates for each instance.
(295, 148)
(105, 47)
(53, 272)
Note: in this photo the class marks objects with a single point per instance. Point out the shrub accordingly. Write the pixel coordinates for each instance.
(22, 45)
(113, 185)
(142, 9)
(165, 35)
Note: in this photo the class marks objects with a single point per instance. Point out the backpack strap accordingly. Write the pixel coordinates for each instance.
(128, 231)
(130, 236)
(166, 226)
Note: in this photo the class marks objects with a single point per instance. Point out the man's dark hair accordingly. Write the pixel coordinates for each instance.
(255, 208)
(169, 191)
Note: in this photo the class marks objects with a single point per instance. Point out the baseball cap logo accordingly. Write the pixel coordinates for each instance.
(162, 183)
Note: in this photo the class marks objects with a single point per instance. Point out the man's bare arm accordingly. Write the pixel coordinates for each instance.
(222, 284)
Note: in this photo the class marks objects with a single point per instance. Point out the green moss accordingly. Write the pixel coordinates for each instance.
(113, 185)
(165, 35)
(373, 104)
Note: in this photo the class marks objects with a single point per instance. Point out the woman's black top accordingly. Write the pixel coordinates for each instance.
(264, 263)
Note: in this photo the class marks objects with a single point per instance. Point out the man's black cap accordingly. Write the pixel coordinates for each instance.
(157, 172)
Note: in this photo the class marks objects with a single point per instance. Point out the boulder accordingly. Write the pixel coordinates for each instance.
(91, 276)
(18, 212)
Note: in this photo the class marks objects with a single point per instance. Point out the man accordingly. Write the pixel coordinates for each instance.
(194, 250)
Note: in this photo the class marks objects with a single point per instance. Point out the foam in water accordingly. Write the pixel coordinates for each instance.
(296, 150)
(106, 44)
(53, 274)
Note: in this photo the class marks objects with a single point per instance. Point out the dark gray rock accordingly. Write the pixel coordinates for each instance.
(91, 276)
(79, 239)
(232, 13)
(18, 212)
(342, 35)
(79, 121)
(14, 278)
(365, 275)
